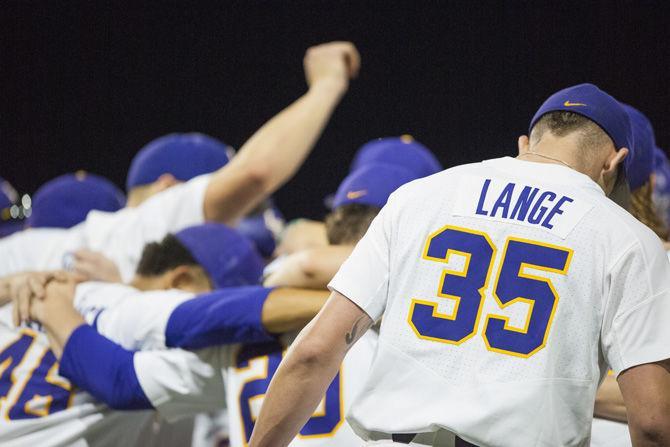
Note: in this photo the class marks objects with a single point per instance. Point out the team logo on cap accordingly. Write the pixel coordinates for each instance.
(573, 104)
(353, 195)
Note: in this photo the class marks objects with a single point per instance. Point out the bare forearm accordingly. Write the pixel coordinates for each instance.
(59, 327)
(272, 155)
(298, 384)
(313, 268)
(288, 310)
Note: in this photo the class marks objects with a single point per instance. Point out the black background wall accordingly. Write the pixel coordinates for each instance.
(86, 83)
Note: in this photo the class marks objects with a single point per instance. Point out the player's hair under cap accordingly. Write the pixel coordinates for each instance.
(402, 151)
(591, 102)
(66, 200)
(372, 184)
(229, 258)
(184, 155)
(640, 161)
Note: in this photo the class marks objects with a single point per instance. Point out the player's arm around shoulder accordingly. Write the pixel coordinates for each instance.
(312, 268)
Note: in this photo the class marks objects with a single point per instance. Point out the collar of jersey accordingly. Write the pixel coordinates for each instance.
(545, 172)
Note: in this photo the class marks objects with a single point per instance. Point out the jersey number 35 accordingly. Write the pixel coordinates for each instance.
(512, 284)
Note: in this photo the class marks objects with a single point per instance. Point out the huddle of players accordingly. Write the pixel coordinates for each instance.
(191, 324)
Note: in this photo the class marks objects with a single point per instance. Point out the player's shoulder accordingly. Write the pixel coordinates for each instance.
(439, 183)
(630, 233)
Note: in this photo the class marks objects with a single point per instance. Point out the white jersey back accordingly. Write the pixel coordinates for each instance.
(506, 288)
(38, 407)
(250, 369)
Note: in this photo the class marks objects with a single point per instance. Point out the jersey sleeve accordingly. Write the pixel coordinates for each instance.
(637, 311)
(226, 316)
(182, 383)
(364, 276)
(137, 321)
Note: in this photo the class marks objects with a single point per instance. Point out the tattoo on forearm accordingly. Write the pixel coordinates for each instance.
(357, 331)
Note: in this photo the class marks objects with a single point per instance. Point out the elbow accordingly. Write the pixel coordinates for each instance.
(652, 429)
(259, 176)
(310, 354)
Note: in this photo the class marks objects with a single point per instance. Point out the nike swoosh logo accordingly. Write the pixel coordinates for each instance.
(352, 195)
(573, 104)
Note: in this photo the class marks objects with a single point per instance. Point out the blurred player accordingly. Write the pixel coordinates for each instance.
(265, 162)
(358, 200)
(541, 280)
(42, 406)
(241, 364)
(66, 200)
(8, 197)
(403, 151)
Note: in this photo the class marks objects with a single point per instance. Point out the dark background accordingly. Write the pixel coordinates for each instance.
(86, 83)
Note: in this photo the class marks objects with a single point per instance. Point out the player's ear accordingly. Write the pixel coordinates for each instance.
(524, 144)
(613, 161)
(164, 182)
(190, 278)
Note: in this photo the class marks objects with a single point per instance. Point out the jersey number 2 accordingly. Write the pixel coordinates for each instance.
(512, 284)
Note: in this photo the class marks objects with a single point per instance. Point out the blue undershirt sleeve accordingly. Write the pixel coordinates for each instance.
(225, 316)
(103, 368)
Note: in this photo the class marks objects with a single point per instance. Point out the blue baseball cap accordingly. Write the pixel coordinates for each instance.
(661, 191)
(66, 200)
(229, 258)
(8, 197)
(262, 229)
(372, 184)
(640, 161)
(591, 102)
(402, 151)
(184, 155)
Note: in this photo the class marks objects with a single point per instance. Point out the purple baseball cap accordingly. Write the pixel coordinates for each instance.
(66, 200)
(184, 155)
(591, 102)
(372, 184)
(640, 161)
(402, 151)
(229, 258)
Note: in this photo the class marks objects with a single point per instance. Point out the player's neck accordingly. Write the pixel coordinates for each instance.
(561, 151)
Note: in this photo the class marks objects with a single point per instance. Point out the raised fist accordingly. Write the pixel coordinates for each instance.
(334, 62)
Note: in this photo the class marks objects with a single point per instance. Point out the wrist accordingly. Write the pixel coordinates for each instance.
(330, 85)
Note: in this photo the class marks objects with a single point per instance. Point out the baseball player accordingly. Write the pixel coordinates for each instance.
(358, 200)
(56, 415)
(66, 200)
(268, 159)
(508, 287)
(403, 151)
(244, 375)
(661, 193)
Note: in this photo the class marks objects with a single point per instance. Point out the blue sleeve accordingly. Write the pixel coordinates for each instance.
(103, 368)
(226, 316)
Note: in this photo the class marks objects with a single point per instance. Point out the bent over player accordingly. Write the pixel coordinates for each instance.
(507, 288)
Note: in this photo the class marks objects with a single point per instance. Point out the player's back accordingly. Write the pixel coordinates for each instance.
(38, 407)
(502, 301)
(250, 369)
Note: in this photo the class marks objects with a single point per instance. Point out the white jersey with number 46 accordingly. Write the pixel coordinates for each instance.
(507, 288)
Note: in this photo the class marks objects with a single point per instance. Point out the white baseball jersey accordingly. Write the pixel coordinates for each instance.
(507, 287)
(38, 407)
(180, 383)
(121, 236)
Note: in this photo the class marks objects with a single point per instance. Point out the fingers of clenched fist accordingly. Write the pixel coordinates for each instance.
(334, 61)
